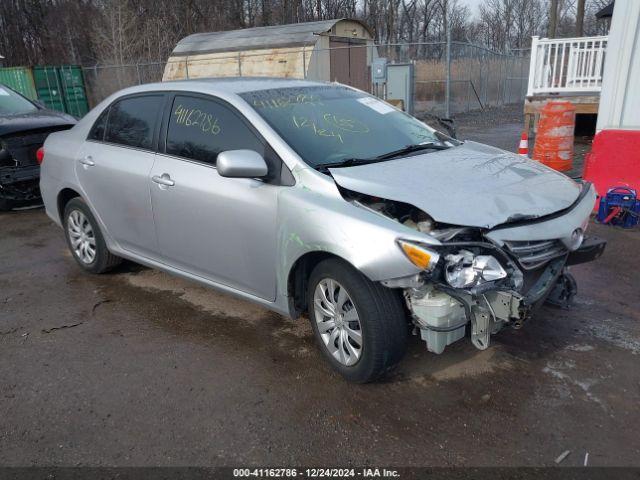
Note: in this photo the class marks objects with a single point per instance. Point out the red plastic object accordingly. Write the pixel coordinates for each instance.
(614, 160)
(554, 138)
(614, 213)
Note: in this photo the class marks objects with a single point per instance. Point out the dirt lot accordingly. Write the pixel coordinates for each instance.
(139, 368)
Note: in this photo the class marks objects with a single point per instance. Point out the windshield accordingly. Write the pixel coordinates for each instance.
(329, 125)
(13, 104)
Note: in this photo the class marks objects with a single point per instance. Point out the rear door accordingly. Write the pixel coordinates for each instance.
(113, 170)
(222, 229)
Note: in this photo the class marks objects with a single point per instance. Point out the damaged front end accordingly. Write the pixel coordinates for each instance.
(476, 278)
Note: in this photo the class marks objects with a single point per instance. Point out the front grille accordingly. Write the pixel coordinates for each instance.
(534, 254)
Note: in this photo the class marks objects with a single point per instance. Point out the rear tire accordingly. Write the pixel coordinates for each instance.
(85, 240)
(347, 311)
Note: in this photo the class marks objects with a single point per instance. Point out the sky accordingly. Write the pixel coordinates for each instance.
(473, 5)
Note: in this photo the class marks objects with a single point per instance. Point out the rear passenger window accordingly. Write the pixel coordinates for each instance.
(132, 121)
(97, 131)
(200, 129)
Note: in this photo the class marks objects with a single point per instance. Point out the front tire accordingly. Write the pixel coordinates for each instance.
(85, 240)
(360, 326)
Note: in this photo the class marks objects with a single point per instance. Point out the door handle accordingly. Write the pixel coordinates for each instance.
(87, 161)
(163, 179)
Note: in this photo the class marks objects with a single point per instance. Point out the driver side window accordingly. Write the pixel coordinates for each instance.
(199, 129)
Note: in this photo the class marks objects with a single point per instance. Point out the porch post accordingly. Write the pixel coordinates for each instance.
(532, 65)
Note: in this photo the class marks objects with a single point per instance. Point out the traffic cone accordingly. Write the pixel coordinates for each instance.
(523, 148)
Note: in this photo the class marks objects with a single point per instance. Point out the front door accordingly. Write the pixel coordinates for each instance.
(113, 169)
(222, 229)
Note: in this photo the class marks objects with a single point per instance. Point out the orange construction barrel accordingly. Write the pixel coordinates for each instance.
(554, 139)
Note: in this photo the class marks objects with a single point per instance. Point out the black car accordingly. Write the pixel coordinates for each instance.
(24, 125)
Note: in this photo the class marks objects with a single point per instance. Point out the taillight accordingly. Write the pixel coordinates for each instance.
(40, 155)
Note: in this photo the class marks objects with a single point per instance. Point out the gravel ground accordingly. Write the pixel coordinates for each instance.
(141, 368)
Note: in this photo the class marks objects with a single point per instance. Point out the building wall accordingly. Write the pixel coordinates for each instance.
(350, 29)
(318, 67)
(287, 62)
(620, 96)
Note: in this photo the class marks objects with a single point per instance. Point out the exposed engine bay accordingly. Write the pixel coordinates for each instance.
(471, 279)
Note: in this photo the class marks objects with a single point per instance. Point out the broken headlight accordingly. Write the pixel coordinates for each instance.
(465, 269)
(421, 257)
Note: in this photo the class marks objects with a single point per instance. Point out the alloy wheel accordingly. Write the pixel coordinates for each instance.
(81, 236)
(338, 322)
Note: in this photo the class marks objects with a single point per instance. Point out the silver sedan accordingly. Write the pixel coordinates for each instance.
(319, 199)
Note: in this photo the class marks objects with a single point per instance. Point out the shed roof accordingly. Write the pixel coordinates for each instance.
(294, 34)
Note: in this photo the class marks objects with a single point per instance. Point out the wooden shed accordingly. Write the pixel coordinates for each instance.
(335, 50)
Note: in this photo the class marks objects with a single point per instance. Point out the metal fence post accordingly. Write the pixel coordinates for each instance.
(507, 85)
(447, 94)
(468, 56)
(304, 63)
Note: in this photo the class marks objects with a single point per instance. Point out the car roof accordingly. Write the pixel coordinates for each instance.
(233, 85)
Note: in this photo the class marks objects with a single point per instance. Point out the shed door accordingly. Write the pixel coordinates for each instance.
(348, 62)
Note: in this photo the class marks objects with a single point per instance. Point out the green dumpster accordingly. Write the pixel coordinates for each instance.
(20, 79)
(61, 88)
(49, 88)
(75, 95)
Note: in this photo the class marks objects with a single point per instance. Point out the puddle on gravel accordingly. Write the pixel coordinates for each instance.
(458, 363)
(223, 315)
(294, 338)
(485, 361)
(204, 298)
(564, 371)
(610, 332)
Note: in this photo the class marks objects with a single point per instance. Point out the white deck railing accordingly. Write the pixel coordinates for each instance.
(566, 65)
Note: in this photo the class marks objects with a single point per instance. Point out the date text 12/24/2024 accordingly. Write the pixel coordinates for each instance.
(315, 473)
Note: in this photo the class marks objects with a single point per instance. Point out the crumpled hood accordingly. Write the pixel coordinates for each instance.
(470, 185)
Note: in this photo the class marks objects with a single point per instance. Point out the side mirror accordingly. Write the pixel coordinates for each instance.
(449, 125)
(241, 164)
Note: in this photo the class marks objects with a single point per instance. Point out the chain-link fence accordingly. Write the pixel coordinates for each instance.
(476, 76)
(103, 80)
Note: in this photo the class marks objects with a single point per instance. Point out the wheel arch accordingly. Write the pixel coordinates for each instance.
(298, 278)
(64, 196)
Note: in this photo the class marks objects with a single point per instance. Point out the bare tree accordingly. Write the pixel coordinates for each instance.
(553, 18)
(122, 31)
(580, 18)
